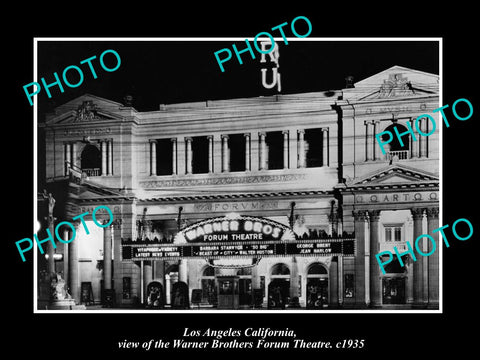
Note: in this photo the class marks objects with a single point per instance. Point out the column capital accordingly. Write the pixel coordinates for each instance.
(374, 215)
(173, 139)
(224, 136)
(152, 141)
(104, 222)
(188, 139)
(209, 137)
(301, 131)
(325, 129)
(359, 215)
(247, 134)
(262, 133)
(432, 212)
(368, 122)
(417, 213)
(285, 132)
(117, 223)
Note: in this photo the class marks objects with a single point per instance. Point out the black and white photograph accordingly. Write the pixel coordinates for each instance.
(273, 202)
(286, 183)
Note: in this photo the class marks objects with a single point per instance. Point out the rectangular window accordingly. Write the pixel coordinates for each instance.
(199, 155)
(274, 142)
(164, 157)
(236, 145)
(313, 147)
(393, 233)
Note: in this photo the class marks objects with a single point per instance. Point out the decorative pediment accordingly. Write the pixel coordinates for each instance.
(394, 82)
(84, 109)
(395, 175)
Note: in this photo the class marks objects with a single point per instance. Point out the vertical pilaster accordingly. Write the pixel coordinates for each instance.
(147, 277)
(368, 140)
(418, 290)
(110, 157)
(414, 145)
(263, 151)
(325, 147)
(225, 157)
(210, 154)
(182, 271)
(103, 150)
(285, 149)
(433, 260)
(174, 156)
(375, 277)
(68, 159)
(301, 148)
(333, 278)
(188, 155)
(376, 151)
(247, 152)
(294, 278)
(360, 295)
(153, 157)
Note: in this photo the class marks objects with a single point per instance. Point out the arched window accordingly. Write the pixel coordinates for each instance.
(395, 147)
(280, 269)
(317, 286)
(91, 162)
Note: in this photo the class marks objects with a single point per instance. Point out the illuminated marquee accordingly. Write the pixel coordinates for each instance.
(234, 227)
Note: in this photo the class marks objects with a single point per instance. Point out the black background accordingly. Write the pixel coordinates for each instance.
(94, 335)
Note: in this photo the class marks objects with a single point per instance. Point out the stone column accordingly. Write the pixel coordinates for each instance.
(110, 157)
(325, 147)
(103, 150)
(247, 152)
(263, 151)
(225, 157)
(301, 148)
(210, 153)
(367, 140)
(433, 260)
(423, 140)
(188, 156)
(174, 156)
(418, 293)
(376, 151)
(285, 149)
(414, 145)
(68, 160)
(182, 271)
(107, 257)
(294, 278)
(360, 299)
(73, 271)
(74, 155)
(66, 258)
(153, 157)
(375, 276)
(147, 277)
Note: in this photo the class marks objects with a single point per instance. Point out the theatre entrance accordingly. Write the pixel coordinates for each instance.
(228, 292)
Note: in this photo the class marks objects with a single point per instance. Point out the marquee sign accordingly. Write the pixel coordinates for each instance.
(246, 249)
(237, 236)
(234, 227)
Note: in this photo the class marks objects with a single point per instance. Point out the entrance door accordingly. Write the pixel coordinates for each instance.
(278, 292)
(394, 290)
(227, 292)
(317, 293)
(245, 292)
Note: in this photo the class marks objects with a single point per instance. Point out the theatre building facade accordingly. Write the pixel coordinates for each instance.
(278, 202)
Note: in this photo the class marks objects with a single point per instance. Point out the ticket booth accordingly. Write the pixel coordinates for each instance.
(228, 292)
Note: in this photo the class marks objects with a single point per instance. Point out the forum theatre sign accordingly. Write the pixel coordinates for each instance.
(237, 237)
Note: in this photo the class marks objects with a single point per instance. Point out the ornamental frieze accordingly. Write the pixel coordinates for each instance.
(222, 180)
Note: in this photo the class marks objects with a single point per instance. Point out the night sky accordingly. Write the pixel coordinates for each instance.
(166, 72)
